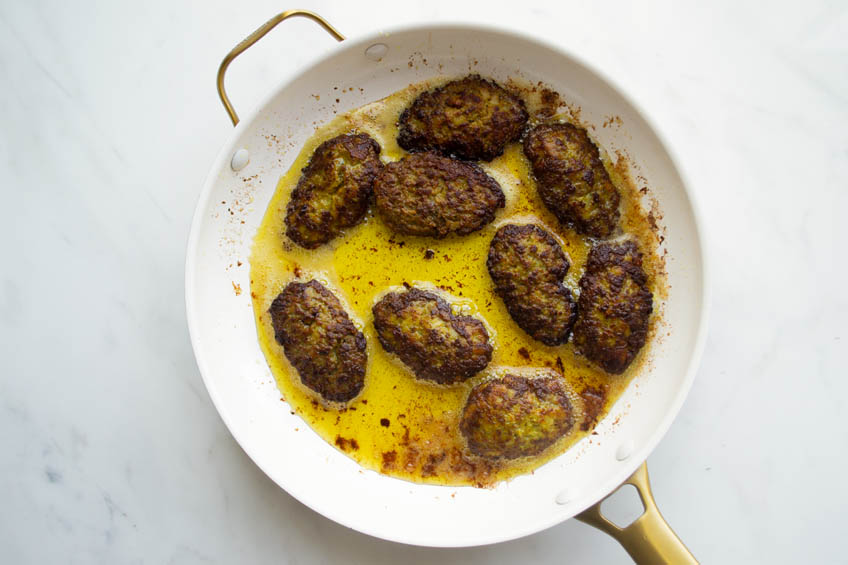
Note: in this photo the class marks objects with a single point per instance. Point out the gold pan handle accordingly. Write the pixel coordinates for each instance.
(256, 36)
(649, 539)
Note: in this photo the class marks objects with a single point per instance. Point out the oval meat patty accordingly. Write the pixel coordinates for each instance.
(516, 416)
(320, 340)
(429, 195)
(472, 118)
(334, 190)
(571, 178)
(527, 266)
(614, 307)
(439, 346)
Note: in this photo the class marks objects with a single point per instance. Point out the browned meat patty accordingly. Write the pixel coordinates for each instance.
(472, 118)
(516, 416)
(439, 346)
(527, 266)
(319, 340)
(334, 190)
(571, 178)
(614, 307)
(430, 195)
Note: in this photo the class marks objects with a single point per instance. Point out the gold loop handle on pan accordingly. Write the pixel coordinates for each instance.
(256, 36)
(649, 539)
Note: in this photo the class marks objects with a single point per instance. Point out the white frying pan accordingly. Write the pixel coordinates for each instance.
(233, 201)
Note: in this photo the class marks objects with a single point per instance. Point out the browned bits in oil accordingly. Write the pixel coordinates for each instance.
(433, 462)
(524, 353)
(550, 103)
(429, 254)
(613, 121)
(593, 404)
(389, 460)
(347, 444)
(411, 458)
(384, 422)
(652, 220)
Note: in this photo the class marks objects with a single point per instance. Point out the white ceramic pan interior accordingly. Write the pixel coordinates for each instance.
(242, 388)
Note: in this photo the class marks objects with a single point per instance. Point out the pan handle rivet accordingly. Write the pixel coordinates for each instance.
(377, 51)
(624, 450)
(240, 159)
(564, 497)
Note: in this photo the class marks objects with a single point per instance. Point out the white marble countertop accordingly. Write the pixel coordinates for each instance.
(109, 121)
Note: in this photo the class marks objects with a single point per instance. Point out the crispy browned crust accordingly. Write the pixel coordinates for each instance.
(320, 340)
(614, 307)
(439, 346)
(571, 178)
(472, 118)
(430, 195)
(527, 266)
(334, 190)
(516, 416)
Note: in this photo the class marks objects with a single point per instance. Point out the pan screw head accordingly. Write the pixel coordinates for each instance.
(377, 51)
(240, 159)
(564, 497)
(624, 450)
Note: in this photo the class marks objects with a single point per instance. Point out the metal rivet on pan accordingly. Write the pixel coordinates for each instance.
(240, 159)
(624, 450)
(377, 51)
(565, 496)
